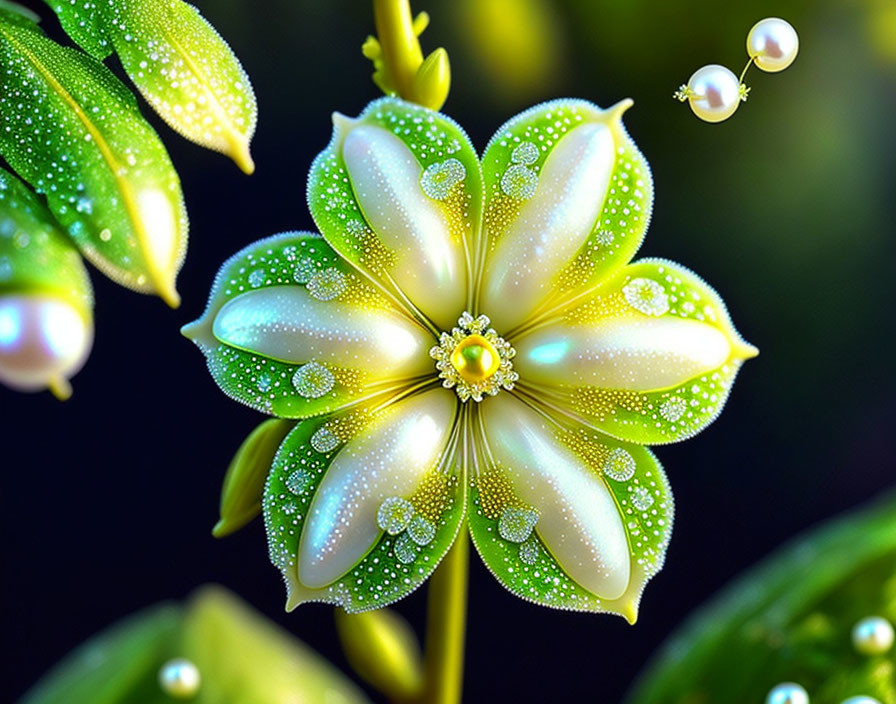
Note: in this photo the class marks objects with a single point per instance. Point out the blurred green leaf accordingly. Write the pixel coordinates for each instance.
(74, 132)
(244, 481)
(382, 647)
(111, 665)
(789, 619)
(241, 657)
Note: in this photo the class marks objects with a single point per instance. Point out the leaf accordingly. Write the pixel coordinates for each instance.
(382, 647)
(46, 301)
(109, 666)
(245, 658)
(186, 72)
(35, 257)
(244, 481)
(82, 20)
(789, 619)
(74, 132)
(241, 657)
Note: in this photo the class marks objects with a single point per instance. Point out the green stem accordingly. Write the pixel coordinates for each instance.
(446, 626)
(401, 50)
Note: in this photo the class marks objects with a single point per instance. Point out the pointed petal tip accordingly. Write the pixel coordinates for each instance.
(342, 124)
(743, 350)
(242, 157)
(630, 613)
(618, 110)
(191, 330)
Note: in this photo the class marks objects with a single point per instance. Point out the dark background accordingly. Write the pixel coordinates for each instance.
(787, 209)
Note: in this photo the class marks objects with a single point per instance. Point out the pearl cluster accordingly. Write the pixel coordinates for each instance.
(871, 636)
(714, 92)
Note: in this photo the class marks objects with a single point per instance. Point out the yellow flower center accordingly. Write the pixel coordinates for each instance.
(475, 359)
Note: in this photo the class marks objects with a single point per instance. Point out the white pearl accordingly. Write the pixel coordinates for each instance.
(715, 93)
(873, 635)
(179, 678)
(861, 699)
(772, 44)
(787, 693)
(43, 341)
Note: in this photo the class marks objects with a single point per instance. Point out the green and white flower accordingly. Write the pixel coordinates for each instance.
(468, 344)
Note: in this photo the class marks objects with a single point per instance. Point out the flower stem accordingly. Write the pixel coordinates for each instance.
(446, 626)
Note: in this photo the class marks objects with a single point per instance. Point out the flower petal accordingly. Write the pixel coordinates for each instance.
(568, 201)
(577, 486)
(361, 506)
(649, 359)
(398, 193)
(292, 330)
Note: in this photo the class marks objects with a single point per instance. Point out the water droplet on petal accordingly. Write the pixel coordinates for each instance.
(646, 296)
(519, 182)
(394, 515)
(313, 380)
(619, 465)
(516, 524)
(327, 284)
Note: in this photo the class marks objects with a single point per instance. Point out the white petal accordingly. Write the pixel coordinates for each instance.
(385, 176)
(579, 521)
(627, 353)
(288, 324)
(388, 458)
(551, 226)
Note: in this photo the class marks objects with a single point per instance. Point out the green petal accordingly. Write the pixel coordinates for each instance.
(661, 352)
(211, 102)
(246, 475)
(299, 261)
(789, 619)
(395, 566)
(83, 22)
(430, 273)
(74, 132)
(589, 216)
(35, 257)
(525, 565)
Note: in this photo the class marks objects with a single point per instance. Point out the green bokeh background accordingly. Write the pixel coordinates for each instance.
(788, 209)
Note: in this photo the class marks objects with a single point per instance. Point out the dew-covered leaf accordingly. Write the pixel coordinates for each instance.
(83, 22)
(35, 256)
(73, 131)
(419, 528)
(186, 72)
(789, 619)
(245, 478)
(46, 301)
(292, 330)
